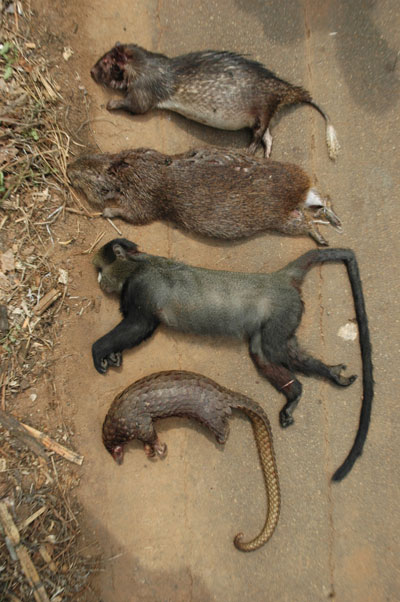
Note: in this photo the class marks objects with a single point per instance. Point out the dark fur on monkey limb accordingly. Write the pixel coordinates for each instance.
(264, 309)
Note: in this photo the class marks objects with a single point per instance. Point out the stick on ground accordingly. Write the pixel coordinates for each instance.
(36, 440)
(12, 534)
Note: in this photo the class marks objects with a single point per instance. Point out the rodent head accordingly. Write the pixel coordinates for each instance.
(92, 175)
(110, 70)
(113, 264)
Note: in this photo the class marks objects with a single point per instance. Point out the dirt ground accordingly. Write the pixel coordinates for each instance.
(166, 528)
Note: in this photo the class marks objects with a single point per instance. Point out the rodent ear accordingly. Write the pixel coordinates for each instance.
(117, 164)
(118, 53)
(117, 44)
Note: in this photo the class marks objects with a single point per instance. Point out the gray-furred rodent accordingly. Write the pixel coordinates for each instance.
(180, 393)
(262, 309)
(213, 192)
(220, 89)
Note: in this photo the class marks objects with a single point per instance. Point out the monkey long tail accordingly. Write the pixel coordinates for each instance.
(263, 437)
(304, 263)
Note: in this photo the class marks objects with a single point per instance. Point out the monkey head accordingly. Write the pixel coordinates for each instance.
(113, 265)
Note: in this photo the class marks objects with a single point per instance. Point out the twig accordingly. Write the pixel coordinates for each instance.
(46, 301)
(96, 242)
(13, 540)
(17, 430)
(47, 558)
(24, 524)
(78, 212)
(36, 440)
(114, 226)
(53, 445)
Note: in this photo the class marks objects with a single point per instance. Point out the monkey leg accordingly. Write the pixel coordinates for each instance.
(280, 377)
(305, 363)
(129, 333)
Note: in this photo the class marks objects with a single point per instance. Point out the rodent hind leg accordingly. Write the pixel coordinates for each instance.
(322, 208)
(267, 143)
(314, 232)
(331, 217)
(261, 132)
(307, 364)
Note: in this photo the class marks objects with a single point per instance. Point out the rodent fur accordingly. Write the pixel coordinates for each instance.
(218, 88)
(219, 193)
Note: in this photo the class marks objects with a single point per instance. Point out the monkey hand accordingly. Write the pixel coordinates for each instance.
(102, 359)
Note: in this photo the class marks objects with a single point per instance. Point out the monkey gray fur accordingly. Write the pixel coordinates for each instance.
(220, 89)
(263, 309)
(218, 193)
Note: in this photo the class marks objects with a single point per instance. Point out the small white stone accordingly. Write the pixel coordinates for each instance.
(348, 332)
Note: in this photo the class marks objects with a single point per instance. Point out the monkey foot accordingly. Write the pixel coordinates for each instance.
(339, 379)
(115, 359)
(102, 367)
(285, 419)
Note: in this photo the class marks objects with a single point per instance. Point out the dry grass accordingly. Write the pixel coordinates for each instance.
(39, 496)
(33, 198)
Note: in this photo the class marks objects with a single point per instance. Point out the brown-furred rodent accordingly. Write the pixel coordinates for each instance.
(180, 393)
(213, 192)
(221, 89)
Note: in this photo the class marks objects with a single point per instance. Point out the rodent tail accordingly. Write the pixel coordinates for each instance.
(298, 95)
(263, 437)
(332, 141)
(296, 271)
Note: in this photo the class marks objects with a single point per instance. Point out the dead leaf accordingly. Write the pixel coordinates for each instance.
(7, 261)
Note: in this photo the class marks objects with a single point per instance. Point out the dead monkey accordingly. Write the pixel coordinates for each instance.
(264, 309)
(220, 89)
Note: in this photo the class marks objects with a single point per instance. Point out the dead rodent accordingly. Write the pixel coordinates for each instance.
(179, 393)
(218, 193)
(220, 89)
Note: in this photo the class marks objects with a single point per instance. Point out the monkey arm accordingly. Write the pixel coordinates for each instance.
(127, 334)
